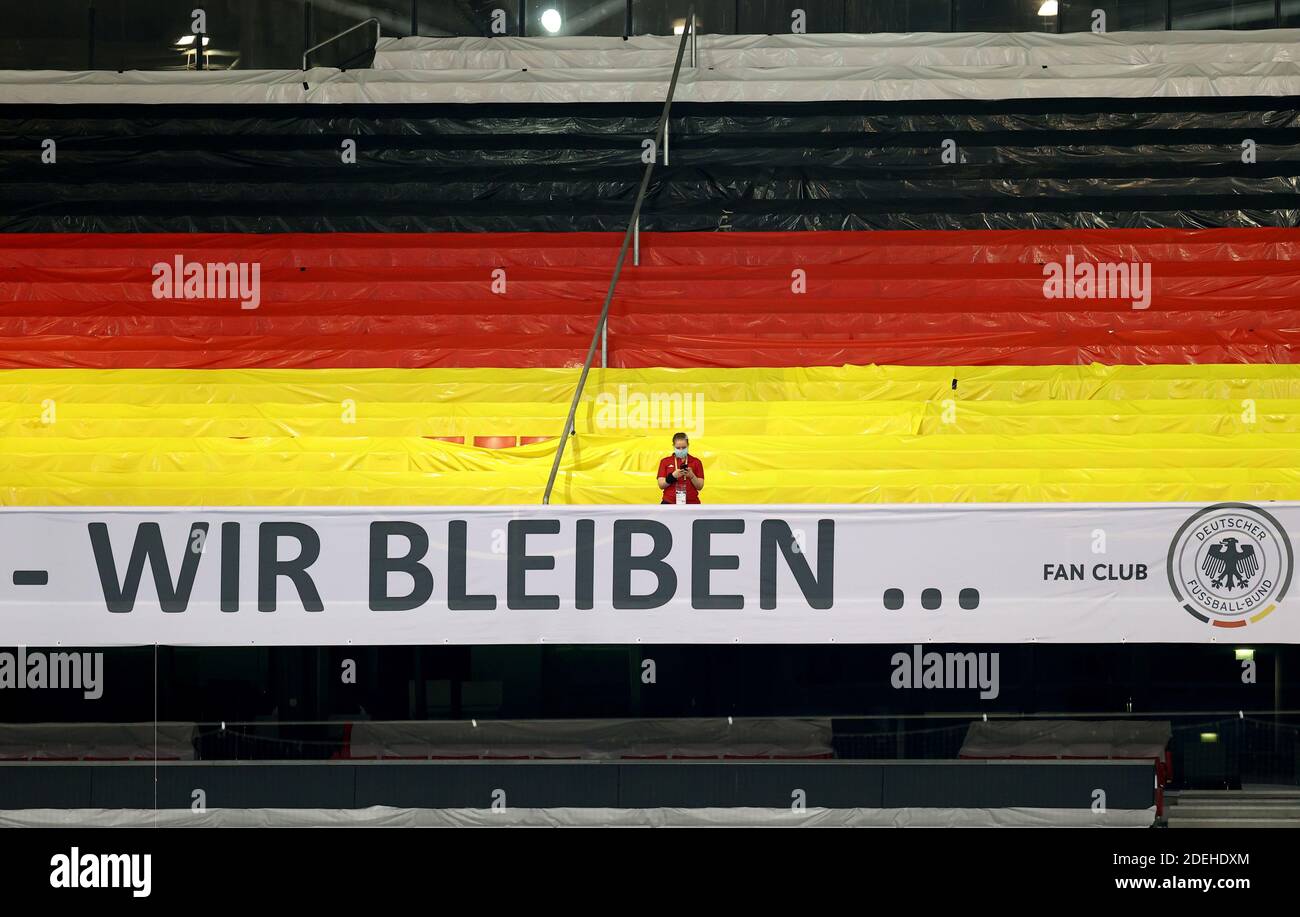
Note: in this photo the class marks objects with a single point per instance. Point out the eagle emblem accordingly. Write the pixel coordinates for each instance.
(1230, 566)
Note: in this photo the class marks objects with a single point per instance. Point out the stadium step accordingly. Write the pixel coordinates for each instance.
(658, 249)
(843, 51)
(1235, 823)
(1272, 808)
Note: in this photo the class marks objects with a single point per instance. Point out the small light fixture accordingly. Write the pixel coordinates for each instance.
(1209, 738)
(551, 21)
(186, 40)
(679, 26)
(1244, 655)
(1048, 8)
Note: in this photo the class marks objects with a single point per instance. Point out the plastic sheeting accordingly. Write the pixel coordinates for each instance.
(99, 87)
(96, 741)
(321, 352)
(593, 739)
(517, 350)
(522, 389)
(962, 49)
(731, 69)
(855, 434)
(732, 250)
(1067, 739)
(737, 454)
(244, 169)
(800, 84)
(1197, 485)
(427, 301)
(772, 166)
(254, 217)
(388, 817)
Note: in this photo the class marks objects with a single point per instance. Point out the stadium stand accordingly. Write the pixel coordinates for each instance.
(369, 316)
(863, 311)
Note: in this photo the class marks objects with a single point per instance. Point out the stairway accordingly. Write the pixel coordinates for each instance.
(1265, 807)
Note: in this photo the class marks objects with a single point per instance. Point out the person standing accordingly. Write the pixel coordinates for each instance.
(681, 475)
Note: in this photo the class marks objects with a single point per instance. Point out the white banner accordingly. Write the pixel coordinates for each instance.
(1009, 573)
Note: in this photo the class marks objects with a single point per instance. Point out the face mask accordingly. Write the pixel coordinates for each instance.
(680, 453)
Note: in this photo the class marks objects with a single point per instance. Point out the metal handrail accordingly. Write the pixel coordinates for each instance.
(362, 24)
(632, 228)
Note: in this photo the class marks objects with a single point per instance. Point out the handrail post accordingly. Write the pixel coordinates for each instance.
(362, 24)
(693, 36)
(308, 31)
(633, 230)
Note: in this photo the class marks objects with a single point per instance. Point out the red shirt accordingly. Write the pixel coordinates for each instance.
(667, 466)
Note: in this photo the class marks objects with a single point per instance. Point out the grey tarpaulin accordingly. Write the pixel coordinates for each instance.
(806, 738)
(793, 68)
(955, 49)
(137, 741)
(387, 817)
(1067, 739)
(646, 84)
